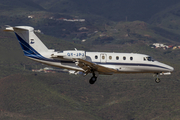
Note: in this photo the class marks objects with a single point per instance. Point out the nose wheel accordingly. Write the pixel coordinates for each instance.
(157, 80)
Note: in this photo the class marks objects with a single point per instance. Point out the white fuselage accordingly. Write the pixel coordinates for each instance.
(121, 62)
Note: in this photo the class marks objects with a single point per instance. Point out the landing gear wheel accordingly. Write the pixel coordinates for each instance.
(157, 80)
(92, 80)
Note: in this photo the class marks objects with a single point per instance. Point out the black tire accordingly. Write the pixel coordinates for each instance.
(92, 80)
(157, 80)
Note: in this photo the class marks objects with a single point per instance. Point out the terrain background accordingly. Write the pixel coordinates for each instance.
(110, 25)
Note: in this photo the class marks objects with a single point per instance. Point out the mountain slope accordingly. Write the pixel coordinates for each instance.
(113, 10)
(33, 97)
(169, 18)
(60, 96)
(17, 4)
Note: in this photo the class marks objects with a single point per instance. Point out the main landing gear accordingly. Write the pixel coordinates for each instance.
(157, 80)
(93, 79)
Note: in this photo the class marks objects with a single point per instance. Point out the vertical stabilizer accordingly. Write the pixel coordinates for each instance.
(28, 35)
(30, 43)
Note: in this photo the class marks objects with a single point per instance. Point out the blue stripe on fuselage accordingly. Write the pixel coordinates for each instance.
(132, 64)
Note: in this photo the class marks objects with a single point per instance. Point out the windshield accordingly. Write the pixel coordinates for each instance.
(148, 59)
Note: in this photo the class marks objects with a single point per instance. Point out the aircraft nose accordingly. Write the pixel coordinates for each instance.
(171, 68)
(168, 68)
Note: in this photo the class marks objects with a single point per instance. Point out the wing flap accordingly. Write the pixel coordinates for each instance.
(89, 66)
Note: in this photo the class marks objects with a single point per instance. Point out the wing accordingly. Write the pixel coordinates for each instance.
(88, 67)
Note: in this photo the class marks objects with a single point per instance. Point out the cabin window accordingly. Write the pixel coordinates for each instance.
(117, 57)
(144, 59)
(150, 59)
(103, 57)
(131, 58)
(96, 57)
(110, 57)
(124, 58)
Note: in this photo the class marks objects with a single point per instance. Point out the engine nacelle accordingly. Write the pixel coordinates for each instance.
(71, 54)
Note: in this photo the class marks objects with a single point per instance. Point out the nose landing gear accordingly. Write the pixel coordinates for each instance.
(157, 80)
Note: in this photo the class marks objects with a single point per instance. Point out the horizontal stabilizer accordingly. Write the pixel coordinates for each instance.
(9, 29)
(21, 28)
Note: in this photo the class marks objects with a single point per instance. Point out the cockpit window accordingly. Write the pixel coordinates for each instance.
(148, 59)
(60, 52)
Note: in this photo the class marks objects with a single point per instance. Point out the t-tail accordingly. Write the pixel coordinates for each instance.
(32, 46)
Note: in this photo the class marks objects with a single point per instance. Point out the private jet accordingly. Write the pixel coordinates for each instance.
(96, 63)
